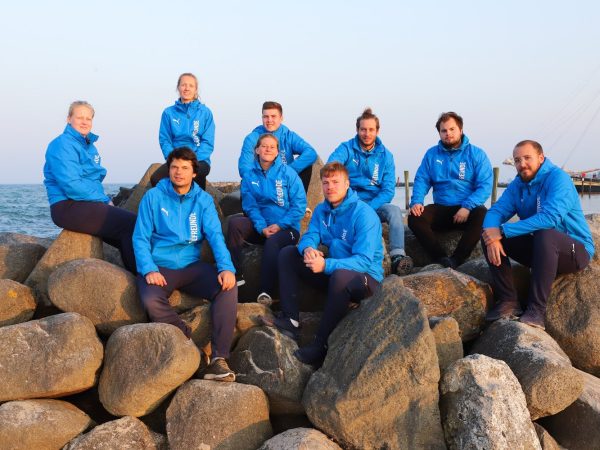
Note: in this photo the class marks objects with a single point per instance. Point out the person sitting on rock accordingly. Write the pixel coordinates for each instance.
(290, 145)
(552, 236)
(373, 177)
(351, 271)
(461, 176)
(73, 177)
(173, 220)
(274, 203)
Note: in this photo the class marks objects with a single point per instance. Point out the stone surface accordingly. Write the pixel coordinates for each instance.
(101, 291)
(300, 439)
(195, 417)
(448, 344)
(546, 440)
(17, 259)
(483, 407)
(127, 433)
(181, 301)
(8, 237)
(16, 303)
(40, 424)
(264, 357)
(144, 363)
(248, 316)
(378, 386)
(231, 203)
(133, 202)
(448, 239)
(112, 255)
(548, 379)
(50, 357)
(314, 195)
(446, 292)
(67, 247)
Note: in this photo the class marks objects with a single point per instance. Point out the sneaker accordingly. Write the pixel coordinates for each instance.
(218, 370)
(264, 299)
(504, 310)
(313, 354)
(447, 261)
(283, 324)
(533, 318)
(239, 279)
(402, 264)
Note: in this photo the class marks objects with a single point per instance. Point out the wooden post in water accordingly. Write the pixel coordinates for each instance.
(495, 185)
(406, 190)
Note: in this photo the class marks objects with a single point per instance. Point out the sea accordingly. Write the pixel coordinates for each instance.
(24, 207)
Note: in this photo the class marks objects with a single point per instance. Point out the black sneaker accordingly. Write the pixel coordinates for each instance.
(504, 310)
(218, 370)
(533, 318)
(313, 354)
(402, 264)
(283, 324)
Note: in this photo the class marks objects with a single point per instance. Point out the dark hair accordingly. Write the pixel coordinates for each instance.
(266, 135)
(536, 145)
(273, 105)
(444, 117)
(367, 114)
(333, 167)
(186, 154)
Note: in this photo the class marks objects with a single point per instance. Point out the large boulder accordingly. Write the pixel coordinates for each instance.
(16, 303)
(546, 440)
(448, 240)
(314, 195)
(133, 202)
(182, 301)
(50, 357)
(143, 364)
(448, 344)
(548, 379)
(264, 357)
(300, 439)
(249, 316)
(378, 386)
(446, 292)
(17, 259)
(40, 424)
(125, 433)
(8, 237)
(101, 291)
(483, 407)
(220, 416)
(68, 246)
(231, 203)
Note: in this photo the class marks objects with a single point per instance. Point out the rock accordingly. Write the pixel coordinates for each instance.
(16, 303)
(143, 364)
(160, 440)
(8, 237)
(314, 195)
(578, 426)
(50, 357)
(548, 380)
(248, 316)
(264, 358)
(448, 239)
(378, 386)
(483, 407)
(231, 204)
(133, 202)
(67, 247)
(125, 433)
(198, 319)
(226, 187)
(181, 301)
(112, 255)
(17, 260)
(546, 441)
(447, 340)
(300, 439)
(195, 417)
(449, 293)
(101, 291)
(40, 424)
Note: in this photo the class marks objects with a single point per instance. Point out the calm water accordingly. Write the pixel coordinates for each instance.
(24, 207)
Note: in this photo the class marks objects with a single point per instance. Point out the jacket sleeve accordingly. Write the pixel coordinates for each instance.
(422, 182)
(246, 159)
(306, 154)
(483, 182)
(165, 138)
(296, 202)
(207, 136)
(312, 236)
(388, 184)
(250, 206)
(142, 238)
(211, 228)
(503, 209)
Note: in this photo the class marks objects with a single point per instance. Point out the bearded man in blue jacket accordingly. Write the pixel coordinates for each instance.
(351, 271)
(461, 177)
(552, 236)
(293, 150)
(173, 220)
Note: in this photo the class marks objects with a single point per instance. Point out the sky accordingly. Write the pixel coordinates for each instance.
(514, 70)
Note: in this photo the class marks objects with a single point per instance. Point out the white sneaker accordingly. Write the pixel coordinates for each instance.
(264, 299)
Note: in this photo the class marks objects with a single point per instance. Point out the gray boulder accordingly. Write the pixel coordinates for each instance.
(231, 203)
(127, 433)
(300, 439)
(448, 344)
(17, 259)
(8, 237)
(16, 303)
(546, 440)
(133, 202)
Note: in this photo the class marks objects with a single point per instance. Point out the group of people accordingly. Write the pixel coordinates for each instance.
(162, 244)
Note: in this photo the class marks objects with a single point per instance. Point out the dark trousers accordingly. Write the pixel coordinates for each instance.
(200, 178)
(305, 177)
(241, 230)
(342, 287)
(200, 280)
(439, 218)
(548, 253)
(111, 224)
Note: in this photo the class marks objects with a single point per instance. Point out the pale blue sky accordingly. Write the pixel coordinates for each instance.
(512, 69)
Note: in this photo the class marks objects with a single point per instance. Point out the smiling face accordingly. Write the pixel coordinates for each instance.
(527, 161)
(271, 119)
(367, 133)
(267, 150)
(188, 88)
(335, 186)
(181, 174)
(81, 119)
(450, 134)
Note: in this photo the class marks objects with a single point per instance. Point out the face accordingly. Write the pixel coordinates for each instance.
(188, 88)
(367, 132)
(181, 174)
(267, 150)
(335, 187)
(81, 120)
(527, 161)
(450, 134)
(271, 119)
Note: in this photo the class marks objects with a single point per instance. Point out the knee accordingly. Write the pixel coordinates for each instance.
(478, 213)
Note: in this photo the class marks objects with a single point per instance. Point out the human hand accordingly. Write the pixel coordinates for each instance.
(495, 251)
(310, 254)
(490, 235)
(417, 209)
(271, 230)
(461, 215)
(156, 278)
(226, 279)
(317, 264)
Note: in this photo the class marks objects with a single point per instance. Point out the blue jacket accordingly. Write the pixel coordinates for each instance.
(459, 177)
(73, 170)
(372, 174)
(290, 144)
(275, 196)
(548, 201)
(170, 229)
(352, 232)
(187, 125)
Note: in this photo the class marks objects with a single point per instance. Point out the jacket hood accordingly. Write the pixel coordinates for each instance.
(91, 137)
(166, 186)
(463, 145)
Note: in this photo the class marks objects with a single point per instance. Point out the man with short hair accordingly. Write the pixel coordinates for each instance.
(372, 175)
(461, 177)
(290, 144)
(350, 272)
(173, 220)
(552, 236)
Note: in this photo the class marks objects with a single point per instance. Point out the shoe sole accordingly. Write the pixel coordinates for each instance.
(228, 377)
